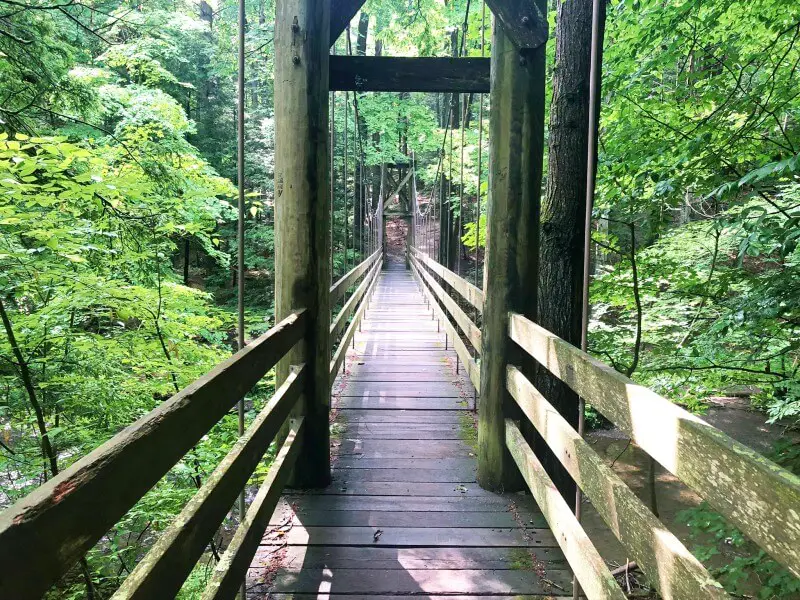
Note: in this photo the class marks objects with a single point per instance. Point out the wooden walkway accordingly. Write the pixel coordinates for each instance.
(404, 515)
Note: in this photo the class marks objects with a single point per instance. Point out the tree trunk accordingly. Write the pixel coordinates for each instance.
(562, 218)
(359, 183)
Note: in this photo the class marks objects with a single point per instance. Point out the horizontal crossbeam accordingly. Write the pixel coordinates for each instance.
(396, 74)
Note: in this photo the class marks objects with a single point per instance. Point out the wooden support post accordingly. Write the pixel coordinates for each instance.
(517, 146)
(302, 215)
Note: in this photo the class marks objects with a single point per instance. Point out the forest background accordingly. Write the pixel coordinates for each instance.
(118, 220)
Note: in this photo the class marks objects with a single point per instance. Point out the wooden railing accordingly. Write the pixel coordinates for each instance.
(352, 312)
(448, 309)
(43, 535)
(754, 494)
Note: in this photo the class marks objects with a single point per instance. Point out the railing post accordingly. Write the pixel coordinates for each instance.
(302, 214)
(516, 136)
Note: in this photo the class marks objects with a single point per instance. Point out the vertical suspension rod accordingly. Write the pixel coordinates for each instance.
(240, 236)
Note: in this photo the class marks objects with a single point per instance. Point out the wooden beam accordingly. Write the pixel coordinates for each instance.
(753, 493)
(583, 558)
(342, 12)
(516, 131)
(400, 74)
(524, 22)
(303, 215)
(668, 564)
(44, 534)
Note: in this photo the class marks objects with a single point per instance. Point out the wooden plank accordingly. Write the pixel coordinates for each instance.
(352, 303)
(339, 288)
(669, 566)
(753, 493)
(396, 389)
(44, 534)
(315, 596)
(232, 567)
(409, 74)
(403, 488)
(464, 322)
(342, 12)
(470, 364)
(390, 503)
(166, 566)
(341, 352)
(387, 403)
(403, 464)
(466, 475)
(587, 564)
(366, 415)
(523, 21)
(402, 449)
(469, 292)
(363, 518)
(410, 537)
(381, 558)
(415, 582)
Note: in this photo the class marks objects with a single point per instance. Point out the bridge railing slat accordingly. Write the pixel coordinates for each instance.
(341, 351)
(470, 364)
(469, 292)
(668, 564)
(469, 328)
(232, 567)
(585, 561)
(170, 561)
(339, 288)
(353, 302)
(752, 492)
(44, 534)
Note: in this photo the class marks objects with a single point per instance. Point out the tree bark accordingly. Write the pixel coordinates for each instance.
(562, 219)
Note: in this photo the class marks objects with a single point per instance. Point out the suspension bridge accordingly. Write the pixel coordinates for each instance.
(407, 359)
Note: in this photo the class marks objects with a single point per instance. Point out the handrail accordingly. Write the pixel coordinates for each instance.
(589, 567)
(170, 561)
(470, 364)
(231, 570)
(341, 351)
(669, 566)
(467, 326)
(752, 492)
(341, 319)
(44, 534)
(469, 292)
(339, 288)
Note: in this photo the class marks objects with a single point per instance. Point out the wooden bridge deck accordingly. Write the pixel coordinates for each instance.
(404, 515)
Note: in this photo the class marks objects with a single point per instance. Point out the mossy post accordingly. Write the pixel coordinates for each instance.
(515, 174)
(302, 214)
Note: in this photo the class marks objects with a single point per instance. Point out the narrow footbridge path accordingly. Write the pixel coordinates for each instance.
(404, 515)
